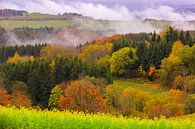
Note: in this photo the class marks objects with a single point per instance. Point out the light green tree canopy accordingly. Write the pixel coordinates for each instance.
(121, 61)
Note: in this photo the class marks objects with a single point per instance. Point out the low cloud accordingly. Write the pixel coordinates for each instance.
(99, 11)
(165, 13)
(96, 11)
(125, 20)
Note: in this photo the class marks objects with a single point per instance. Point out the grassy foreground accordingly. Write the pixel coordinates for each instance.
(12, 118)
(190, 117)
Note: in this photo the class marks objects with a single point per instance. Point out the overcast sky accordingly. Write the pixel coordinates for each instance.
(107, 9)
(129, 3)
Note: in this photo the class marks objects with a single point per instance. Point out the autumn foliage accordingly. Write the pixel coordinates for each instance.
(57, 50)
(94, 52)
(4, 97)
(151, 73)
(107, 39)
(178, 83)
(17, 58)
(20, 100)
(82, 96)
(133, 101)
(168, 104)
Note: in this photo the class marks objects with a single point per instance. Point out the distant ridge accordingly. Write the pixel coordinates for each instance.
(11, 14)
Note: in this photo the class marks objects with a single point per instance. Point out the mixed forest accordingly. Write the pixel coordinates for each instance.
(109, 76)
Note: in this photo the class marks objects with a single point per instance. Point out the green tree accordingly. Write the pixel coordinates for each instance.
(105, 60)
(40, 82)
(171, 65)
(169, 69)
(123, 61)
(54, 98)
(19, 86)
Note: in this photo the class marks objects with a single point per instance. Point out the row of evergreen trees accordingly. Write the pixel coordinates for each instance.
(43, 74)
(23, 50)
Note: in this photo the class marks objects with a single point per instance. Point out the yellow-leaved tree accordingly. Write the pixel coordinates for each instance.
(55, 50)
(94, 52)
(18, 59)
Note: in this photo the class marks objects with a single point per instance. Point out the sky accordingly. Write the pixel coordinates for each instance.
(109, 9)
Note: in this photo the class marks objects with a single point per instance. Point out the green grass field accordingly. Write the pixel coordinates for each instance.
(142, 85)
(12, 118)
(86, 24)
(37, 24)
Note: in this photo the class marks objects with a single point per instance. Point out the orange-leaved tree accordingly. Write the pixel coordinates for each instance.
(4, 97)
(19, 95)
(151, 73)
(82, 96)
(20, 100)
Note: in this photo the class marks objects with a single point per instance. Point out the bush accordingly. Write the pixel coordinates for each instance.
(20, 100)
(178, 83)
(4, 97)
(113, 94)
(190, 104)
(190, 84)
(133, 101)
(168, 104)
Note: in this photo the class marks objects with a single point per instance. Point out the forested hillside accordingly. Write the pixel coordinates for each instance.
(89, 77)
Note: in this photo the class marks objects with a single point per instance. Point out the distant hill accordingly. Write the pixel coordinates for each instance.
(10, 14)
(76, 15)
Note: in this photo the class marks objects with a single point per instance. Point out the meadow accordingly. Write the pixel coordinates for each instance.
(37, 24)
(141, 85)
(87, 24)
(12, 118)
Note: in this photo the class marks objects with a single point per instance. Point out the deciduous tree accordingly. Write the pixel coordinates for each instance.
(123, 61)
(132, 101)
(168, 104)
(4, 97)
(82, 96)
